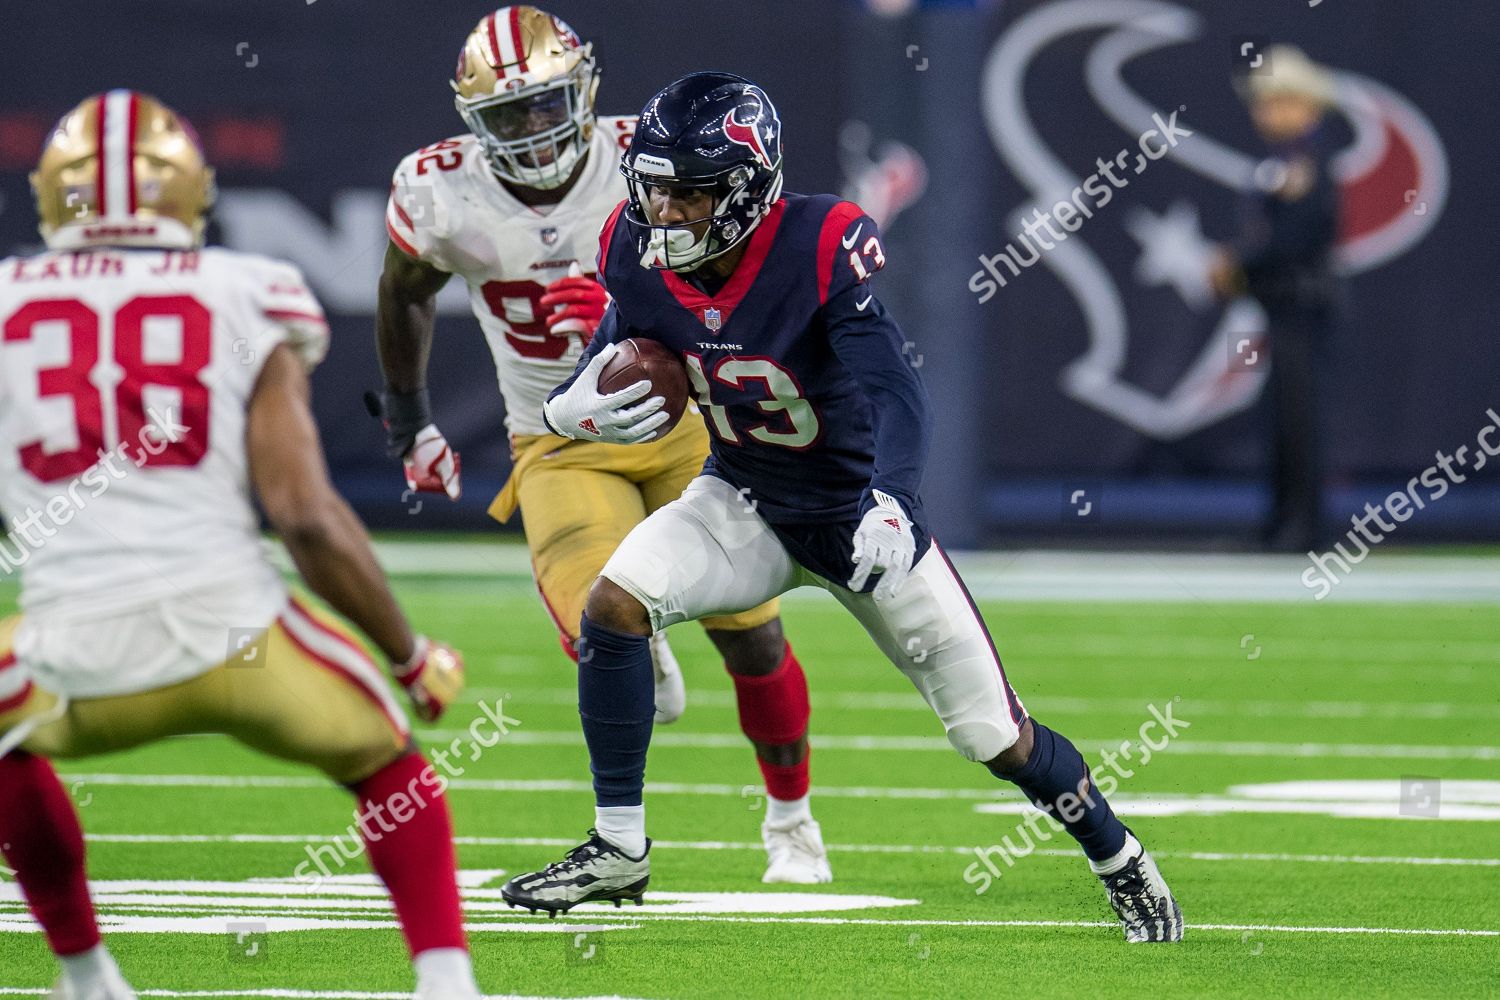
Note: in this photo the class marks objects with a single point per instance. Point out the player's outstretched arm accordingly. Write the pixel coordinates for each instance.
(405, 313)
(326, 541)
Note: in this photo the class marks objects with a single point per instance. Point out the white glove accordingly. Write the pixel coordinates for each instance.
(583, 414)
(883, 543)
(431, 466)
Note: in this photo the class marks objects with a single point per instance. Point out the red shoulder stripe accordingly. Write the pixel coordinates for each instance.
(16, 700)
(397, 239)
(604, 237)
(834, 223)
(401, 212)
(294, 314)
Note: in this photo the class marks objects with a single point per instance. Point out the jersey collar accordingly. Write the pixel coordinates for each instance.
(713, 311)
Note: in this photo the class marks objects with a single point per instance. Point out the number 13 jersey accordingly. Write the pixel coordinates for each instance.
(448, 210)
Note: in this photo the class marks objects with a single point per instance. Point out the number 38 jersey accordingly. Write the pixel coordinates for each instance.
(448, 210)
(125, 377)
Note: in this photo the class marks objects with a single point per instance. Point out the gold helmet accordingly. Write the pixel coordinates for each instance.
(122, 169)
(525, 86)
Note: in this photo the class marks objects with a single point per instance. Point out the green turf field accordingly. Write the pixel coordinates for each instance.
(1281, 897)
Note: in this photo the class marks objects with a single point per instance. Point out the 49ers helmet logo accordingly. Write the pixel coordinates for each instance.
(746, 134)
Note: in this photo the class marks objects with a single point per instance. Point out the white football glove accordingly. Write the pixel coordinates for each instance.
(431, 466)
(583, 414)
(883, 543)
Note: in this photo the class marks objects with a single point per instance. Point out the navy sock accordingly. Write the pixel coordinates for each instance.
(1057, 781)
(617, 702)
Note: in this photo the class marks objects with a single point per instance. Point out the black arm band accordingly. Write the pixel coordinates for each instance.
(406, 413)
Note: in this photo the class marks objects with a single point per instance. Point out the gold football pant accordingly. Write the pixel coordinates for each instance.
(579, 499)
(304, 691)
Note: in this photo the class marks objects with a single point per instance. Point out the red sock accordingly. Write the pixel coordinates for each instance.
(774, 710)
(787, 782)
(403, 815)
(42, 841)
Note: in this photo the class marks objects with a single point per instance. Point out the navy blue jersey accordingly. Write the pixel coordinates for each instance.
(802, 376)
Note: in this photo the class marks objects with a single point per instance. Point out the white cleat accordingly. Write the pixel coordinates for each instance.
(796, 854)
(671, 693)
(1141, 899)
(109, 986)
(441, 991)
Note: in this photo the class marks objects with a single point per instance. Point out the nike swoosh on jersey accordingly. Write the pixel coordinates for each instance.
(849, 243)
(861, 305)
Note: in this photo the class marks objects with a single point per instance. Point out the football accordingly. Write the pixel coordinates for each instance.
(639, 358)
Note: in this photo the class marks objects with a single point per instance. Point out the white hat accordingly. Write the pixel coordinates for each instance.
(1288, 70)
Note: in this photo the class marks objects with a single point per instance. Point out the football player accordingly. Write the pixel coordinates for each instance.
(514, 207)
(818, 418)
(147, 387)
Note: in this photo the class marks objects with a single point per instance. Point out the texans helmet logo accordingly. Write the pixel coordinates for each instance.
(746, 134)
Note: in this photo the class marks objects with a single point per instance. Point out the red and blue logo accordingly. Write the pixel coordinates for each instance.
(746, 134)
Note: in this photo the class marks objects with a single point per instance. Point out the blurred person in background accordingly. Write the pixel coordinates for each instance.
(1283, 257)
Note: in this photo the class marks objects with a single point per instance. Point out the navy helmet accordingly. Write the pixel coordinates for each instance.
(715, 131)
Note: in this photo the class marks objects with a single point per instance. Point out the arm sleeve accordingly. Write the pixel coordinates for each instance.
(291, 312)
(415, 215)
(872, 347)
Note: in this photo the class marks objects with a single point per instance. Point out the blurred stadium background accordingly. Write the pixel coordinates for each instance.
(1100, 370)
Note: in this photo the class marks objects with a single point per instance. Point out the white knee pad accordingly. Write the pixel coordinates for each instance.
(982, 740)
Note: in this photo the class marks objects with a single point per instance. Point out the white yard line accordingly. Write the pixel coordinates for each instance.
(675, 739)
(1191, 927)
(289, 994)
(755, 846)
(996, 793)
(909, 701)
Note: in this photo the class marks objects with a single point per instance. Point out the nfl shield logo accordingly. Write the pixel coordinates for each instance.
(712, 319)
(549, 235)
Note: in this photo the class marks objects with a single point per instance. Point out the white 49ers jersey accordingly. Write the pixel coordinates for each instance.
(448, 210)
(125, 377)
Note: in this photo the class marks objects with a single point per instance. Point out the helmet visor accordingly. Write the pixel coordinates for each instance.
(527, 117)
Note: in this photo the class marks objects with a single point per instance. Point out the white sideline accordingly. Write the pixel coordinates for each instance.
(745, 845)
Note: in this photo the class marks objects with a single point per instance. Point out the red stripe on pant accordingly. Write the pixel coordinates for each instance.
(774, 710)
(43, 842)
(568, 645)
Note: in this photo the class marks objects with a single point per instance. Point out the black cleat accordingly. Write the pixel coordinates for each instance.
(595, 870)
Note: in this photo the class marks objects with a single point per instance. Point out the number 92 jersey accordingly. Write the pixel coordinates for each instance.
(125, 379)
(449, 211)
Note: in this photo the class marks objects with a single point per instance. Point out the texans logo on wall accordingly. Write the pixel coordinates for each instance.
(1393, 177)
